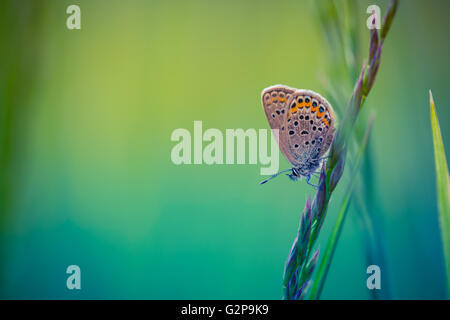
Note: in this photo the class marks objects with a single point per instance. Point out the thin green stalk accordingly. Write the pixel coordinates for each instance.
(345, 50)
(299, 267)
(20, 26)
(443, 188)
(324, 266)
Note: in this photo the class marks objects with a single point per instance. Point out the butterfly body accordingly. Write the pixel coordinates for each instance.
(304, 170)
(305, 124)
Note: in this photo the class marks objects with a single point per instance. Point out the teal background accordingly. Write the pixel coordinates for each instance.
(86, 119)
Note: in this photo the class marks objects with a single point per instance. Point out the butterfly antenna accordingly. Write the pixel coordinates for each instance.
(276, 174)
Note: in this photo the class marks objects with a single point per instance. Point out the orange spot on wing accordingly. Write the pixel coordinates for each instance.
(282, 99)
(320, 115)
(301, 105)
(326, 122)
(314, 109)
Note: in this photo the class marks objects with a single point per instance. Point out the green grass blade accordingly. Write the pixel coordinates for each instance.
(322, 272)
(443, 188)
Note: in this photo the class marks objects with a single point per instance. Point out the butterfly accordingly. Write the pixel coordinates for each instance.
(305, 124)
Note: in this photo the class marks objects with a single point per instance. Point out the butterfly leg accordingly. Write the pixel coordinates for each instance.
(323, 158)
(308, 177)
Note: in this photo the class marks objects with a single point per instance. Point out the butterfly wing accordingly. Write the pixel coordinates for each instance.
(309, 127)
(276, 100)
(304, 120)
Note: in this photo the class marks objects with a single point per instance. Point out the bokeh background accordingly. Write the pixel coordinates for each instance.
(86, 176)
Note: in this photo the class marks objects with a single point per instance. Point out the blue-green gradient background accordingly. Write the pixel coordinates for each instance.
(86, 120)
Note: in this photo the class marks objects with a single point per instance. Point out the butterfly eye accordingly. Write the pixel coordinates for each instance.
(291, 132)
(307, 100)
(295, 123)
(314, 104)
(300, 100)
(306, 117)
(296, 146)
(301, 117)
(321, 109)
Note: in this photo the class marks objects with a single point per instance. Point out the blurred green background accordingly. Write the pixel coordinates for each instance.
(86, 176)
